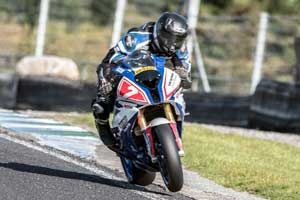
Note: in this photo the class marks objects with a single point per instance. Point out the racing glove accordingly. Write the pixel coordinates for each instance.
(104, 87)
(104, 76)
(185, 77)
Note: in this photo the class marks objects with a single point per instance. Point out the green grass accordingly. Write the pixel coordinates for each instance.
(264, 168)
(261, 167)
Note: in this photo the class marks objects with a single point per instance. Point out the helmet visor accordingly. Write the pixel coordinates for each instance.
(170, 41)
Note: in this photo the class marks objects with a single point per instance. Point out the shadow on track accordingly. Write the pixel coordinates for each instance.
(76, 176)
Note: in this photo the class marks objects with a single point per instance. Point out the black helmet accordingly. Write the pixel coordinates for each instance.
(170, 32)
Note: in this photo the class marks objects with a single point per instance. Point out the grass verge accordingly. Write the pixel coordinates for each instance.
(265, 168)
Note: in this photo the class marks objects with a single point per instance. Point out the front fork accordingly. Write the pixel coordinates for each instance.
(144, 126)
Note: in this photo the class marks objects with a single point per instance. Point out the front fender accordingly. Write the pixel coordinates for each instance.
(158, 121)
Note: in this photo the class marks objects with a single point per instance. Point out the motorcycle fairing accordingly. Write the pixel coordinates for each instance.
(127, 89)
(168, 84)
(133, 96)
(124, 111)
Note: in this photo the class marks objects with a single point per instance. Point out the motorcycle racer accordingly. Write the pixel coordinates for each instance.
(165, 37)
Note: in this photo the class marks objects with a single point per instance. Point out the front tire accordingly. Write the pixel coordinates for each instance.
(168, 158)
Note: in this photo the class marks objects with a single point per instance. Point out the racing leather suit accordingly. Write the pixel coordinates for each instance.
(141, 38)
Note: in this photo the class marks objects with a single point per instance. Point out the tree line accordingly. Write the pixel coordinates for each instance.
(27, 11)
(99, 11)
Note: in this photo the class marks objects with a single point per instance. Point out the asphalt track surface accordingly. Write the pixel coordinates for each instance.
(26, 173)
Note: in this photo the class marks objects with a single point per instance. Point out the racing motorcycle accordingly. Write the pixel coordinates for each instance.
(147, 121)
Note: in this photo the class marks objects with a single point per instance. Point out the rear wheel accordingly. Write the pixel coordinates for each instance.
(168, 158)
(136, 175)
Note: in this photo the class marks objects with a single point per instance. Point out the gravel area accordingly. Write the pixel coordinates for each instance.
(286, 138)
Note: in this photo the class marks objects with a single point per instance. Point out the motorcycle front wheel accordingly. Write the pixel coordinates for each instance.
(168, 158)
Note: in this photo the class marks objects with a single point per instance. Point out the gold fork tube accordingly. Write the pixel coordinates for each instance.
(142, 121)
(168, 112)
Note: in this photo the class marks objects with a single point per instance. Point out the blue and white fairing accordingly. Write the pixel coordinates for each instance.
(133, 94)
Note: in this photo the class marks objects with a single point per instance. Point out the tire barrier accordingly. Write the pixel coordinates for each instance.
(296, 68)
(55, 94)
(275, 106)
(8, 90)
(217, 109)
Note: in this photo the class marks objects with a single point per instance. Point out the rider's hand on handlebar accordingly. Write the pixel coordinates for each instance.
(182, 72)
(184, 75)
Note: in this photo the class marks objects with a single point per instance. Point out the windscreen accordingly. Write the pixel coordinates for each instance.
(140, 58)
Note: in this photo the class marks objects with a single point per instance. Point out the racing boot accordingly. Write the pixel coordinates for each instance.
(105, 133)
(101, 114)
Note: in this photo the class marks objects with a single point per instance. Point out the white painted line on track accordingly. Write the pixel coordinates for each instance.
(2, 114)
(89, 167)
(86, 138)
(33, 120)
(83, 147)
(41, 126)
(4, 110)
